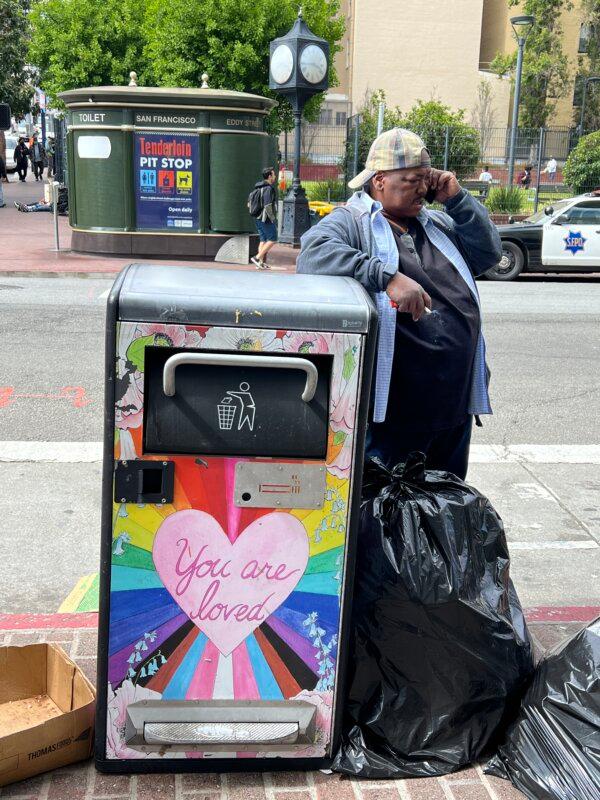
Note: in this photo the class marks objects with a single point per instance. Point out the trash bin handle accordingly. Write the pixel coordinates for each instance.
(225, 360)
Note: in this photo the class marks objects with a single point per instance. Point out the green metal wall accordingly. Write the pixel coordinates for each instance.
(236, 164)
(103, 186)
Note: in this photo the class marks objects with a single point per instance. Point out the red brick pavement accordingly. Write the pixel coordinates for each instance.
(27, 242)
(82, 782)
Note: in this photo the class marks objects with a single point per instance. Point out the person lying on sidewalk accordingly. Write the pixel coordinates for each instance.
(431, 377)
(63, 204)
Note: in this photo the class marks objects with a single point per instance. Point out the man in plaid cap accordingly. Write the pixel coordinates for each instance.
(419, 266)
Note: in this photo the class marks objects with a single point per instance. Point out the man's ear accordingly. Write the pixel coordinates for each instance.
(377, 181)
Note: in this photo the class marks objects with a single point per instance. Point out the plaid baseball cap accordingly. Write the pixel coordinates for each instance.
(394, 149)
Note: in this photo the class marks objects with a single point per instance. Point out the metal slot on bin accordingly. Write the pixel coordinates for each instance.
(213, 403)
(226, 725)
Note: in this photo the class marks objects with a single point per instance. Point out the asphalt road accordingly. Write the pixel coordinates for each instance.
(544, 348)
(543, 345)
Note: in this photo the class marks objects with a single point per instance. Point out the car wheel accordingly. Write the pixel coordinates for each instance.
(510, 265)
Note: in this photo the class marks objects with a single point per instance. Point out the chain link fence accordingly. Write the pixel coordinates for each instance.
(332, 154)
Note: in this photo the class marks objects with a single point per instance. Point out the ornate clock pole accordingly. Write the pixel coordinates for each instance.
(298, 70)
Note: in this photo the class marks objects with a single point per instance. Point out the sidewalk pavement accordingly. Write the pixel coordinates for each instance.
(28, 243)
(76, 633)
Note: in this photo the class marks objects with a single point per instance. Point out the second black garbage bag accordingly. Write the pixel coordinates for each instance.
(440, 651)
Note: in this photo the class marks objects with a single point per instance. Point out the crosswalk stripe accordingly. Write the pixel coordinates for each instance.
(88, 452)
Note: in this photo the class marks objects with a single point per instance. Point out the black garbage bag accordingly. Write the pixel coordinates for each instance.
(440, 653)
(552, 751)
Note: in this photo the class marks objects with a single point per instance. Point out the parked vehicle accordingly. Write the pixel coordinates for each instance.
(11, 143)
(563, 237)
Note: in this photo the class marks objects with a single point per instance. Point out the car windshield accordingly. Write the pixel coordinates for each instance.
(540, 215)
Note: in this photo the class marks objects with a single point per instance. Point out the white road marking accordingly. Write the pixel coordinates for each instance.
(52, 452)
(560, 545)
(75, 452)
(535, 453)
(532, 491)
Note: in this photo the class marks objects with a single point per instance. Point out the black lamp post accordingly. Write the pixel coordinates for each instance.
(591, 79)
(521, 26)
(298, 68)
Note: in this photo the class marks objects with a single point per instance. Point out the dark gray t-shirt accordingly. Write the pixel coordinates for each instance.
(433, 358)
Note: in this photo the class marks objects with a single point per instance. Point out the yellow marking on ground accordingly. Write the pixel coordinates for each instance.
(71, 603)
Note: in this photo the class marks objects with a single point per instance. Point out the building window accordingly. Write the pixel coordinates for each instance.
(585, 33)
(326, 117)
(578, 90)
(340, 117)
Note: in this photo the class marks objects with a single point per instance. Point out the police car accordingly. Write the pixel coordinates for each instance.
(563, 237)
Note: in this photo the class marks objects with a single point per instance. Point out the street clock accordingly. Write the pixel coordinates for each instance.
(282, 64)
(298, 64)
(298, 67)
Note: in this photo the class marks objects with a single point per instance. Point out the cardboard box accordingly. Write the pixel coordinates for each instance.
(46, 711)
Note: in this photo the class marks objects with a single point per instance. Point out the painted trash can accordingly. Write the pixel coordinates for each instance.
(236, 408)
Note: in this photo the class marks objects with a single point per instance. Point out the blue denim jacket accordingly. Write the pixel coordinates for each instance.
(357, 241)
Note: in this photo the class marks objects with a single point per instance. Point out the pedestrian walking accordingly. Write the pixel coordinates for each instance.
(2, 203)
(550, 169)
(262, 204)
(419, 266)
(21, 155)
(3, 175)
(37, 154)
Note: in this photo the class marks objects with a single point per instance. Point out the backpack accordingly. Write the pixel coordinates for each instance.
(255, 202)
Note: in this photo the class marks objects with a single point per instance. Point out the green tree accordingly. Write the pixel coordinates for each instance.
(430, 119)
(582, 169)
(589, 64)
(546, 74)
(15, 86)
(94, 43)
(229, 39)
(172, 42)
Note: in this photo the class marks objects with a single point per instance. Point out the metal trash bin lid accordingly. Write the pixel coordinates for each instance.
(166, 294)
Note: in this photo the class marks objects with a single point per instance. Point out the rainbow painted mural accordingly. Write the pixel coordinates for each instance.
(212, 601)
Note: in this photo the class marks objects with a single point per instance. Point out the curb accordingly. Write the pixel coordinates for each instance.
(548, 614)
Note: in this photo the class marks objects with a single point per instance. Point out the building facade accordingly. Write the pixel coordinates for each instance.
(418, 51)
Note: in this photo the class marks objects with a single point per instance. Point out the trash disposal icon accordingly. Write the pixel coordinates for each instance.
(233, 402)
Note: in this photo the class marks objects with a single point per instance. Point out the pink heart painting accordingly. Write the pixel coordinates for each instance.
(228, 589)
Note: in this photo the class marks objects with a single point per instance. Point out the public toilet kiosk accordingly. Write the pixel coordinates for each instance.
(163, 171)
(236, 407)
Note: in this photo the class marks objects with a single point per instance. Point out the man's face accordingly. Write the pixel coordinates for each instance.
(401, 191)
(271, 178)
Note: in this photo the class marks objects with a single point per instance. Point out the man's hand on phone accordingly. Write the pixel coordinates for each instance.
(408, 295)
(444, 184)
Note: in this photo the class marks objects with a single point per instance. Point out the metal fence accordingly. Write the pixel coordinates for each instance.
(334, 153)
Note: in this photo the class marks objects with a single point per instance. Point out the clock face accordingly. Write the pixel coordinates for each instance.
(313, 63)
(282, 64)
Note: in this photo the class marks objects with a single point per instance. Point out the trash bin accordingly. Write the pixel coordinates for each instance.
(236, 407)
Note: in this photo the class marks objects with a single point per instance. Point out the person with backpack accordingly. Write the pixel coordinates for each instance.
(419, 265)
(262, 205)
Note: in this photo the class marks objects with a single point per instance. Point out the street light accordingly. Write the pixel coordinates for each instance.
(521, 26)
(592, 79)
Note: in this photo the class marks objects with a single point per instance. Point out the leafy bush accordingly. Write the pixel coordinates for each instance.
(506, 200)
(430, 120)
(582, 170)
(326, 190)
